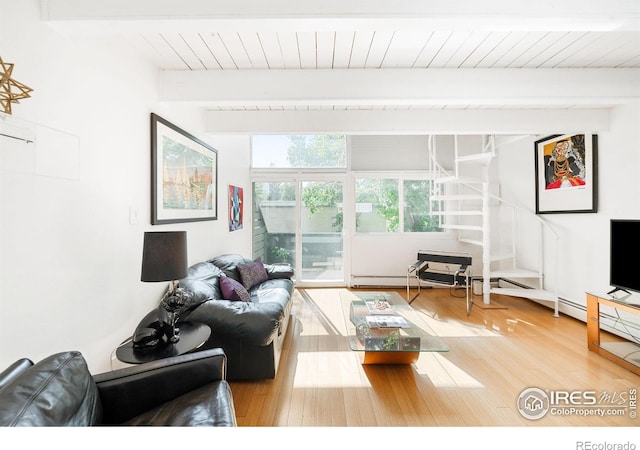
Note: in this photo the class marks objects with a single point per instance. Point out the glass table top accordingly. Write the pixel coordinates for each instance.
(385, 322)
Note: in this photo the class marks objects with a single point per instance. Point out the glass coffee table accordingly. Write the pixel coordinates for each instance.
(385, 329)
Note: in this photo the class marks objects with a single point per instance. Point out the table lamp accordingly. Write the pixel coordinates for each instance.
(164, 258)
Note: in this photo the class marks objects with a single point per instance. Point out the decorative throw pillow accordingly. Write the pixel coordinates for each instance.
(232, 290)
(252, 273)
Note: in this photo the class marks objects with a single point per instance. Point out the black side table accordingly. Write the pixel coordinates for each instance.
(192, 336)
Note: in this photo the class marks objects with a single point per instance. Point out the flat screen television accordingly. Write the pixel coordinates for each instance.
(625, 244)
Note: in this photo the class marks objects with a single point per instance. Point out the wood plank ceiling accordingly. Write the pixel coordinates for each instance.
(194, 37)
(389, 49)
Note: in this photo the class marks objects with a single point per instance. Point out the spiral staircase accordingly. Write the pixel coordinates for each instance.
(468, 199)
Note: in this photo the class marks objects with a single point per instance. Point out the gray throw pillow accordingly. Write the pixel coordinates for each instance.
(252, 273)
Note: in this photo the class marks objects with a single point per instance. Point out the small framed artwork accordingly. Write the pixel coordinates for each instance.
(184, 175)
(236, 205)
(566, 174)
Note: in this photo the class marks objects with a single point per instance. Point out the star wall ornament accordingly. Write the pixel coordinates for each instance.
(11, 91)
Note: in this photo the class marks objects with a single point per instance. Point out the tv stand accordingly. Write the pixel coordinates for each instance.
(618, 289)
(623, 353)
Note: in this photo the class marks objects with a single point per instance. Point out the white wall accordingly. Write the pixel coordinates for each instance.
(69, 256)
(583, 246)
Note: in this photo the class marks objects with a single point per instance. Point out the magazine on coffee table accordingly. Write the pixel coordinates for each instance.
(388, 321)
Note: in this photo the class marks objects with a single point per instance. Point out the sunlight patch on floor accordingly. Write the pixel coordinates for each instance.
(520, 321)
(327, 310)
(454, 328)
(510, 326)
(315, 331)
(337, 369)
(443, 373)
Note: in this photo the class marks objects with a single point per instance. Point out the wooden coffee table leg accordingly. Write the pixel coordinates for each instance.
(389, 357)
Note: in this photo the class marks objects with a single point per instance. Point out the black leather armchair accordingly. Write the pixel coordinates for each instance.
(188, 390)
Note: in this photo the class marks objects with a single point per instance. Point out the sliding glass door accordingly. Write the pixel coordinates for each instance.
(274, 222)
(300, 222)
(321, 231)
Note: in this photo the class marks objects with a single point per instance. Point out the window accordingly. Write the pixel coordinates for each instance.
(297, 151)
(418, 207)
(380, 201)
(377, 205)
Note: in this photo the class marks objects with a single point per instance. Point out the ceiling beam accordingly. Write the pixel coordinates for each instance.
(137, 16)
(417, 87)
(400, 122)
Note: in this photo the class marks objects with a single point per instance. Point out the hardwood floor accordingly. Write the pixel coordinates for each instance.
(495, 354)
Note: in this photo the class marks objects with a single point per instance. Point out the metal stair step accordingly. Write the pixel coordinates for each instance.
(456, 213)
(471, 241)
(537, 294)
(462, 227)
(462, 180)
(514, 273)
(500, 256)
(479, 157)
(445, 197)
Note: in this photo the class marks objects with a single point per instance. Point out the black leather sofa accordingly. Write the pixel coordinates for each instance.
(188, 390)
(251, 333)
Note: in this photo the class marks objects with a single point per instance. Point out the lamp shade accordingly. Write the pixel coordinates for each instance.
(164, 256)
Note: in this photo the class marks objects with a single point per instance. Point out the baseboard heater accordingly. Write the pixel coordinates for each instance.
(608, 322)
(375, 281)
